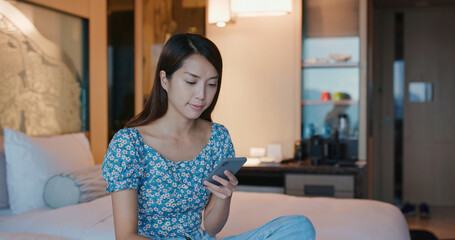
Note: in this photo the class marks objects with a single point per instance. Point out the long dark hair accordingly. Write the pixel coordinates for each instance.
(175, 51)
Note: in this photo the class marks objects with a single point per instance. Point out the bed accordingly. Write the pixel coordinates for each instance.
(92, 219)
(332, 218)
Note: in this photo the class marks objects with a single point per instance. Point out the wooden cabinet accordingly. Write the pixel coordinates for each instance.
(340, 186)
(328, 181)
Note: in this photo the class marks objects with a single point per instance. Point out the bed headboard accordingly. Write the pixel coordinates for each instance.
(87, 134)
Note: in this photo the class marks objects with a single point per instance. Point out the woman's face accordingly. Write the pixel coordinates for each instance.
(192, 87)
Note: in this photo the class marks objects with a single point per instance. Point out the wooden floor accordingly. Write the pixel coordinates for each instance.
(441, 222)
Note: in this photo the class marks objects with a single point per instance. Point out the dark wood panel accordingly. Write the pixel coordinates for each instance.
(331, 18)
(429, 134)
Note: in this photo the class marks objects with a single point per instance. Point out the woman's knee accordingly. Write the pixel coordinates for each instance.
(303, 220)
(303, 225)
(295, 219)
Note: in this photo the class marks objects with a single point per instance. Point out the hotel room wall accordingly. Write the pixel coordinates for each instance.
(260, 95)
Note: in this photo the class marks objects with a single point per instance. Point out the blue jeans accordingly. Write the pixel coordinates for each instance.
(196, 235)
(286, 227)
(282, 228)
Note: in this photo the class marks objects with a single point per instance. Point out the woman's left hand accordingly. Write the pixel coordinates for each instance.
(226, 188)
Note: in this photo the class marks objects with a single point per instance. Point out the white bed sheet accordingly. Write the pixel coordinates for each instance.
(5, 212)
(333, 218)
(86, 221)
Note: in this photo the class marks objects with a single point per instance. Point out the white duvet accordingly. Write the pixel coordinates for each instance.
(333, 218)
(91, 220)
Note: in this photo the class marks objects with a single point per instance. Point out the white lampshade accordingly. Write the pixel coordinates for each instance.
(219, 12)
(253, 8)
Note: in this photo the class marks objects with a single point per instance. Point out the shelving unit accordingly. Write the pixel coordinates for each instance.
(331, 77)
(334, 27)
(339, 103)
(330, 65)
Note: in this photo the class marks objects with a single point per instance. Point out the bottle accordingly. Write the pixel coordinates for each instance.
(308, 131)
(343, 126)
(326, 132)
(300, 150)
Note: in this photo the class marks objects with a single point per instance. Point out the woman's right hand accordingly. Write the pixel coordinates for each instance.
(227, 187)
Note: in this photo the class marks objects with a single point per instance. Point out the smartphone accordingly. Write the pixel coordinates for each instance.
(233, 165)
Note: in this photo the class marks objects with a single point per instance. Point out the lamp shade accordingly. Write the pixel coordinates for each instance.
(219, 12)
(253, 8)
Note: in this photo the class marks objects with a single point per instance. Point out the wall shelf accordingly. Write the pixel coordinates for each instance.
(337, 103)
(330, 65)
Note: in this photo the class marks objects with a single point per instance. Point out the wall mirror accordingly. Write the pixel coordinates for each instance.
(420, 92)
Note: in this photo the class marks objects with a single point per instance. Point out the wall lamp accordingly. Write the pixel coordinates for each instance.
(220, 12)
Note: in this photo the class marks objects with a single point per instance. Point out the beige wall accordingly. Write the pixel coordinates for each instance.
(260, 95)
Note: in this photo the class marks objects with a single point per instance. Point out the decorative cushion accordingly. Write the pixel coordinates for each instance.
(3, 189)
(31, 161)
(75, 187)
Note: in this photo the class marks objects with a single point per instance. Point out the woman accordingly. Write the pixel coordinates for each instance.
(155, 167)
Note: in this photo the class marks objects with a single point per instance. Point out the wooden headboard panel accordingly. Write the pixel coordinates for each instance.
(96, 12)
(87, 134)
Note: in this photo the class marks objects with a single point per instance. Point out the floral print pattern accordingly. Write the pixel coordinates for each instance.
(171, 195)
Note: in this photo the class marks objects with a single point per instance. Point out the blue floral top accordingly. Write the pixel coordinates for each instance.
(171, 195)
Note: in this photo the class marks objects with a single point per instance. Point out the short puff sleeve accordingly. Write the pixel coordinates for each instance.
(123, 165)
(227, 147)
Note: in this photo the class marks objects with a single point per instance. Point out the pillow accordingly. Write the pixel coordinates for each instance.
(3, 190)
(31, 161)
(75, 187)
